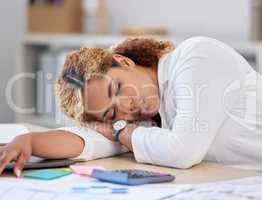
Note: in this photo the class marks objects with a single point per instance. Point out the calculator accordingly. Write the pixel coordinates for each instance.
(131, 176)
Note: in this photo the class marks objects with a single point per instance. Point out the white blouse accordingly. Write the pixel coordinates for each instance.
(211, 109)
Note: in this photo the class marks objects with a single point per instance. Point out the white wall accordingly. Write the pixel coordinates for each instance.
(12, 22)
(218, 18)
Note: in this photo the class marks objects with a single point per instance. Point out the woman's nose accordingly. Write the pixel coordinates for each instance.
(127, 105)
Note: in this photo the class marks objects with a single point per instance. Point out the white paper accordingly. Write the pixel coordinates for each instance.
(9, 131)
(241, 189)
(66, 188)
(76, 187)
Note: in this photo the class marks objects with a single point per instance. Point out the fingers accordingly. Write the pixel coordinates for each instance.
(106, 130)
(87, 125)
(91, 125)
(1, 151)
(6, 158)
(22, 159)
(97, 126)
(100, 127)
(2, 154)
(2, 148)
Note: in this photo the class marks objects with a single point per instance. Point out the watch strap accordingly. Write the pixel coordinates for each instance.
(116, 135)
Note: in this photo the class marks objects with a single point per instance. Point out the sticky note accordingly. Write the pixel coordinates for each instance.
(46, 174)
(84, 170)
(66, 170)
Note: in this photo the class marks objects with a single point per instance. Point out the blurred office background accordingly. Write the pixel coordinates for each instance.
(35, 36)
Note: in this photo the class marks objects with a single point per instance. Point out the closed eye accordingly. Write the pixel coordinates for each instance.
(119, 85)
(114, 114)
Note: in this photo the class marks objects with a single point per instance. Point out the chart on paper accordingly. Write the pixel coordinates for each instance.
(73, 187)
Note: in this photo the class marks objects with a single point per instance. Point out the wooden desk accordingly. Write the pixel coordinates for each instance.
(205, 172)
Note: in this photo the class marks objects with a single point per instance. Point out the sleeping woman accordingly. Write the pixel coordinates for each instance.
(205, 97)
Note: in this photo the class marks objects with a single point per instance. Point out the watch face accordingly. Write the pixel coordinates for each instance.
(119, 125)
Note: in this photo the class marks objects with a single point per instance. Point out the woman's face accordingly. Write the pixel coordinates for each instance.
(125, 92)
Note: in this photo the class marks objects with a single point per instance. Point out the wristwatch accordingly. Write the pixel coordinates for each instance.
(117, 127)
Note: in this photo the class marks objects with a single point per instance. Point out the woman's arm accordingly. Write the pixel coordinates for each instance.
(56, 144)
(53, 145)
(197, 100)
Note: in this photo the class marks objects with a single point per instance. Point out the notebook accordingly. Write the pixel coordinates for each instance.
(37, 163)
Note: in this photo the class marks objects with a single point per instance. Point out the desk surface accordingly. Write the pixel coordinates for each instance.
(204, 172)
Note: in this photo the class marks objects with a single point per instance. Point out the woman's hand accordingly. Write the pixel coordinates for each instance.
(125, 136)
(19, 150)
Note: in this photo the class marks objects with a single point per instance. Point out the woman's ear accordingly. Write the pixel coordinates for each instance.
(123, 61)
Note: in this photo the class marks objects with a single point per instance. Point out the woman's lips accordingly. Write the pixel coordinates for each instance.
(143, 106)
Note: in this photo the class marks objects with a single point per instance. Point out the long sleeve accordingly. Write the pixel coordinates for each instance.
(96, 145)
(194, 104)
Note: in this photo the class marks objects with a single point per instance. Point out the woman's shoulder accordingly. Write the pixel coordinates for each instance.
(202, 58)
(205, 44)
(197, 40)
(194, 45)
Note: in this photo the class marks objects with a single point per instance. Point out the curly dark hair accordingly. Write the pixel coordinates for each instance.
(86, 63)
(143, 51)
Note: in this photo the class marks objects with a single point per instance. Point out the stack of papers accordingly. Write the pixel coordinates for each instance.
(76, 187)
(242, 189)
